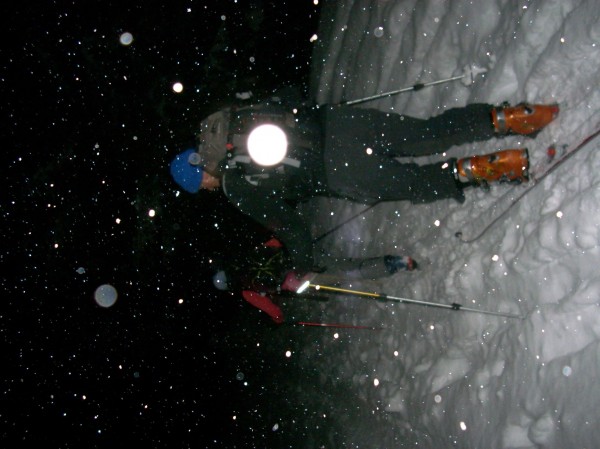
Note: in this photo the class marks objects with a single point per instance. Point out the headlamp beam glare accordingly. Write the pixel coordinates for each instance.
(267, 145)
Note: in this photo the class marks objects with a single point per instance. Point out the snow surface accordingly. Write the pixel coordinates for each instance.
(436, 377)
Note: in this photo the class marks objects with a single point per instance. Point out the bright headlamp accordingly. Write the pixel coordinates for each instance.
(267, 145)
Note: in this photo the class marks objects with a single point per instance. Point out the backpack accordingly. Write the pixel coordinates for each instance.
(212, 140)
(223, 134)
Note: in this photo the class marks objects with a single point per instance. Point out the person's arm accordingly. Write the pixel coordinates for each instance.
(275, 214)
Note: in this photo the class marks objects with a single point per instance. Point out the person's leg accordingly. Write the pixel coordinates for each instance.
(379, 178)
(356, 170)
(421, 183)
(360, 168)
(400, 135)
(370, 268)
(391, 134)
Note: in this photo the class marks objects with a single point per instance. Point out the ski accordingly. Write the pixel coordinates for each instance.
(555, 157)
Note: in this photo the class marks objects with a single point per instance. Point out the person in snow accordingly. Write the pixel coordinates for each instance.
(265, 272)
(268, 157)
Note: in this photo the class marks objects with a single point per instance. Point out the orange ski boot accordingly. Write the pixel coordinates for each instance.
(524, 118)
(502, 166)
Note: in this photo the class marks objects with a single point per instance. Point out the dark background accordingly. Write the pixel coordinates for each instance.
(89, 128)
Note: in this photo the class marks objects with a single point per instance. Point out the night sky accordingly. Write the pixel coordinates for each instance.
(90, 126)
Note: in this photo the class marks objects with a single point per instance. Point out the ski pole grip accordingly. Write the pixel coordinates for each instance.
(456, 306)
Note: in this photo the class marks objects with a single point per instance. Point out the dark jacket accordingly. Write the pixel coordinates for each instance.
(269, 195)
(340, 151)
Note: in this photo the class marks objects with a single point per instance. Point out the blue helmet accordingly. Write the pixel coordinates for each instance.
(186, 174)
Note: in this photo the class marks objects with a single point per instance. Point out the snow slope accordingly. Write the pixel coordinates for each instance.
(441, 378)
